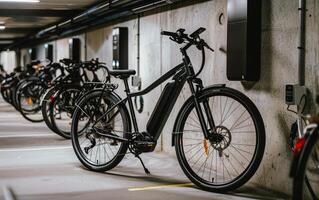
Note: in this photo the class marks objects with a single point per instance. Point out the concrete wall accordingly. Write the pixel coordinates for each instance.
(7, 60)
(279, 67)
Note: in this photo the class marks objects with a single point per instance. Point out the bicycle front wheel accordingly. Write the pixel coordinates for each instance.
(306, 180)
(235, 147)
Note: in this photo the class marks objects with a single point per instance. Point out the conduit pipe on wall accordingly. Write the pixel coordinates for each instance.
(98, 15)
(138, 44)
(302, 40)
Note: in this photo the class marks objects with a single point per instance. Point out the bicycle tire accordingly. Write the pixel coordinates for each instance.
(299, 186)
(250, 169)
(37, 110)
(45, 108)
(16, 92)
(119, 155)
(55, 125)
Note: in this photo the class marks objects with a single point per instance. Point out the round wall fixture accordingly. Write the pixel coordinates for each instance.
(139, 103)
(221, 18)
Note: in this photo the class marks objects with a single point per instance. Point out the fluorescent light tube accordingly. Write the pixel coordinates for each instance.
(20, 1)
(2, 27)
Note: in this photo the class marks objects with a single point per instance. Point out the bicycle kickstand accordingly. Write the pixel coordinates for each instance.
(145, 169)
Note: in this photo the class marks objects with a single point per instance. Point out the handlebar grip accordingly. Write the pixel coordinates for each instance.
(197, 32)
(66, 61)
(169, 34)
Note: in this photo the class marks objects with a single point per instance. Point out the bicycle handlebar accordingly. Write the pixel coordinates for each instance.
(67, 61)
(94, 65)
(193, 39)
(196, 33)
(171, 34)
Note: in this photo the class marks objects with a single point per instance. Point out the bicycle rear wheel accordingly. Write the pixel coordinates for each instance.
(96, 112)
(234, 149)
(29, 101)
(306, 180)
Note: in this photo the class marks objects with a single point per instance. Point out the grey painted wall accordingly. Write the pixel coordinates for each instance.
(279, 67)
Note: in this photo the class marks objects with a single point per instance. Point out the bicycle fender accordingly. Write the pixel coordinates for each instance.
(215, 86)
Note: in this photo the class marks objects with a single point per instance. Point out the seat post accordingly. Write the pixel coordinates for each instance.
(130, 103)
(127, 88)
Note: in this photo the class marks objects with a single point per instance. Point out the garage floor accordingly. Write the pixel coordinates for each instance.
(37, 164)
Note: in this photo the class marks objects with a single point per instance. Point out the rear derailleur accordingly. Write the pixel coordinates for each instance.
(92, 136)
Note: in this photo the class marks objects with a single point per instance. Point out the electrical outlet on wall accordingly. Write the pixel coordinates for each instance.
(136, 81)
(294, 94)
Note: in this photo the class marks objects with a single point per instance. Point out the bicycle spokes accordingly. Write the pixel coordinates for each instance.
(99, 149)
(231, 143)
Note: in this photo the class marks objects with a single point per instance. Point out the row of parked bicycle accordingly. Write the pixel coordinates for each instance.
(48, 93)
(218, 134)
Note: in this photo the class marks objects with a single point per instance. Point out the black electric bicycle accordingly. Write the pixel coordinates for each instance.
(306, 174)
(305, 165)
(218, 135)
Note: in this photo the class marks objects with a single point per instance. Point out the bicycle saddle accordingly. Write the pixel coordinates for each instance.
(122, 74)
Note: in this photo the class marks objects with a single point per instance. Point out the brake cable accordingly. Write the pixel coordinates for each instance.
(202, 44)
(203, 62)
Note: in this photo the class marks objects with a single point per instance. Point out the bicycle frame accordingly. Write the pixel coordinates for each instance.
(181, 74)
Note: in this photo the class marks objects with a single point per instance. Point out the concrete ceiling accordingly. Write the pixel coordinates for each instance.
(49, 5)
(22, 19)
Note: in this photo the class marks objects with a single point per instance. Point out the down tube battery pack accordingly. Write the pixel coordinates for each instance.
(163, 108)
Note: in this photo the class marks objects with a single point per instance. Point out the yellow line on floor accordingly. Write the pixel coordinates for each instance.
(160, 187)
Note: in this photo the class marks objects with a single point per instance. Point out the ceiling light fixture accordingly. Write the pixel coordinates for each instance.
(20, 1)
(2, 27)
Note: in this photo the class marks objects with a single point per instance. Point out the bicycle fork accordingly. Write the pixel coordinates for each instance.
(199, 110)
